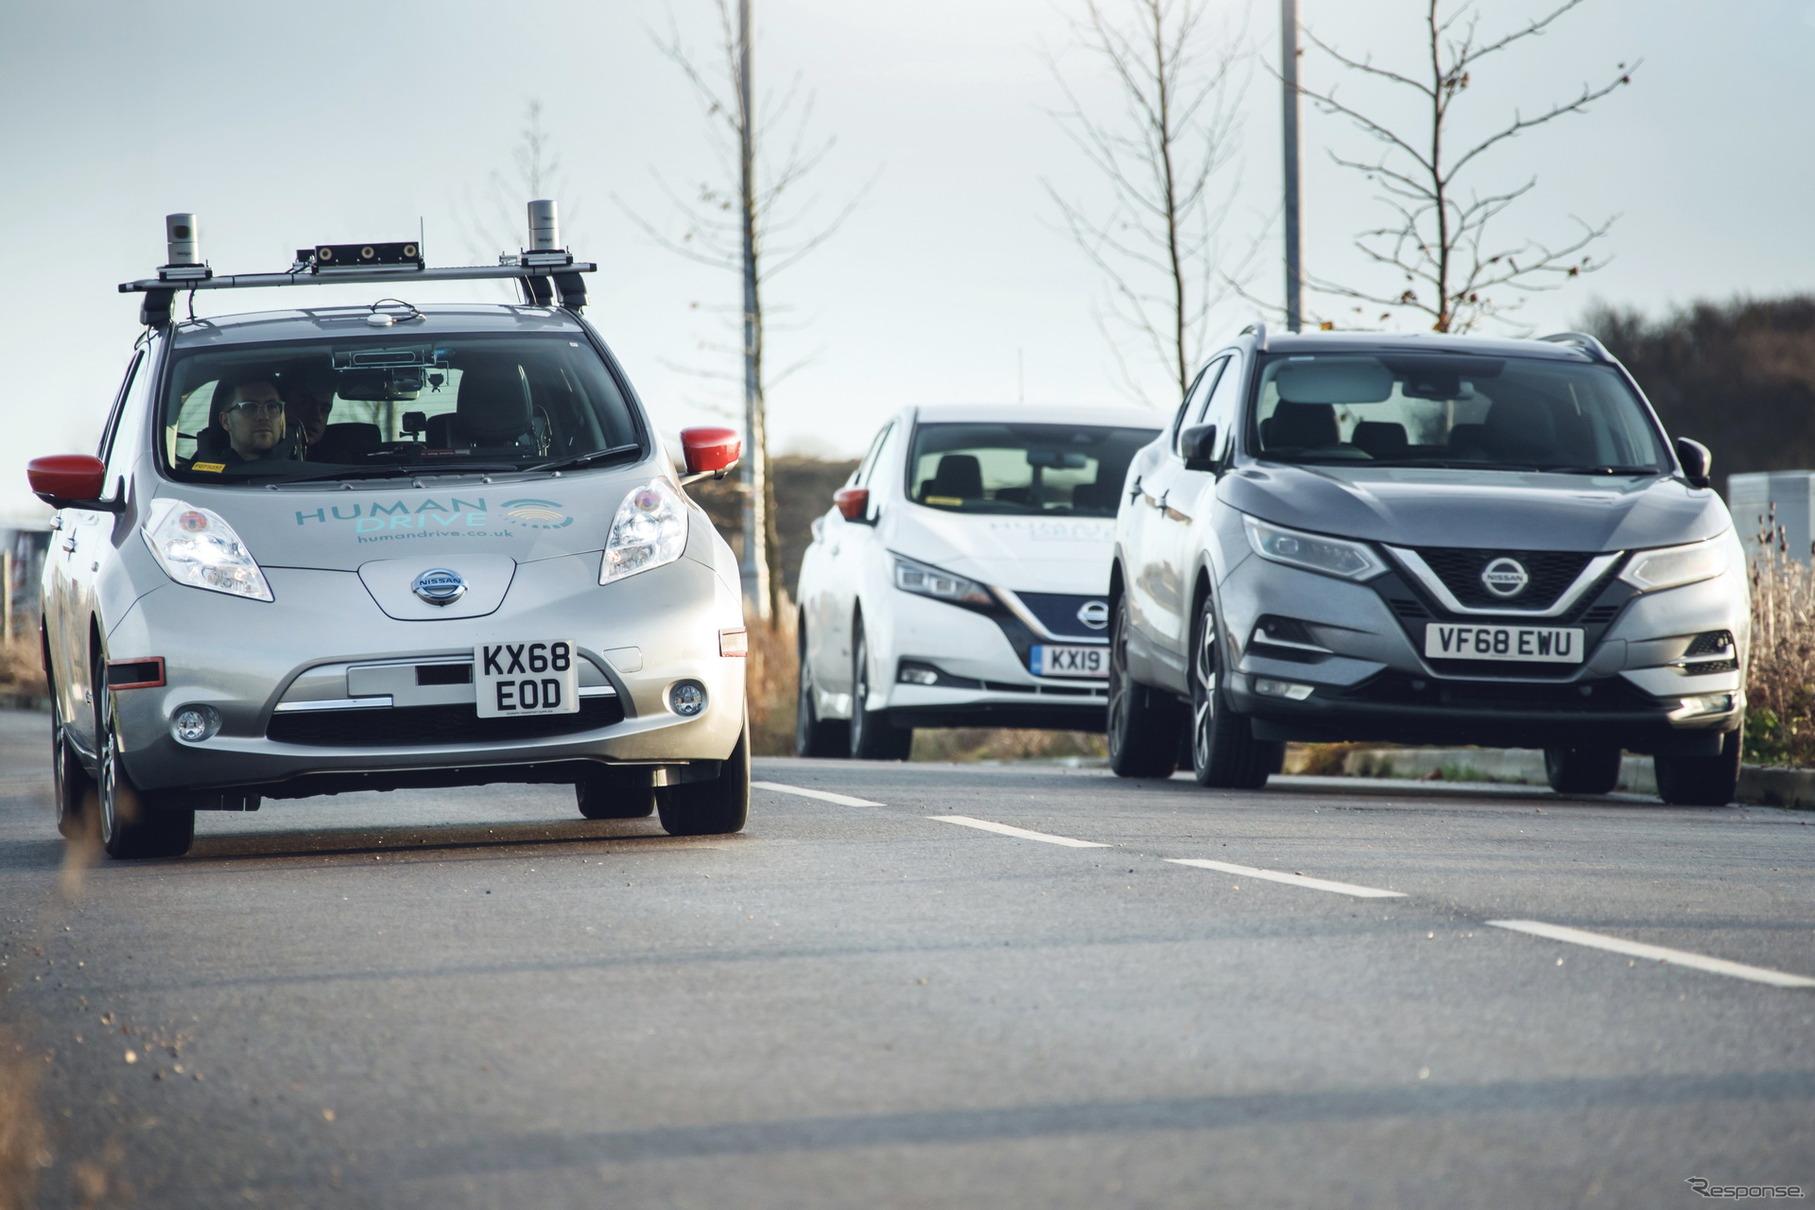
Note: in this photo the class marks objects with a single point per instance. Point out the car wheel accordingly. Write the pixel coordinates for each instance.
(1224, 752)
(1145, 725)
(1700, 781)
(134, 823)
(76, 793)
(710, 808)
(815, 736)
(873, 737)
(615, 792)
(1587, 770)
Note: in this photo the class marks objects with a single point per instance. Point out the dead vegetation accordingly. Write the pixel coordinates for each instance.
(1780, 685)
(21, 670)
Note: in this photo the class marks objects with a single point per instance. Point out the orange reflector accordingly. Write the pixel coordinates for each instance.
(734, 642)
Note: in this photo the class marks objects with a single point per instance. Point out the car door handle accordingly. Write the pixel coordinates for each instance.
(69, 544)
(1134, 490)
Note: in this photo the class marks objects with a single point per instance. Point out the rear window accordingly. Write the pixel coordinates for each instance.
(1022, 469)
(1500, 413)
(364, 407)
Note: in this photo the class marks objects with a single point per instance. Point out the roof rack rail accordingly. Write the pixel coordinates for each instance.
(1259, 331)
(543, 271)
(1582, 340)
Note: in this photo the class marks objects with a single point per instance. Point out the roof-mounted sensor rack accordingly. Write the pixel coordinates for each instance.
(543, 270)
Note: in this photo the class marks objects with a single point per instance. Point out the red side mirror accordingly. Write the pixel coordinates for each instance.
(67, 477)
(853, 502)
(710, 450)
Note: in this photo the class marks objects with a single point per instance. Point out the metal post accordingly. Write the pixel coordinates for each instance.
(6, 578)
(1288, 74)
(754, 571)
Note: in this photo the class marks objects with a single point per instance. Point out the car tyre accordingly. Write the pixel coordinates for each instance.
(1224, 752)
(615, 792)
(1700, 781)
(77, 796)
(815, 736)
(134, 823)
(873, 736)
(1592, 769)
(1145, 726)
(710, 808)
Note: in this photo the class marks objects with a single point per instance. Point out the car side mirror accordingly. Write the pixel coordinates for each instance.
(853, 504)
(1696, 460)
(1197, 446)
(71, 481)
(709, 451)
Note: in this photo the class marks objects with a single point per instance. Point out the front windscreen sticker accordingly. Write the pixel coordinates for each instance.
(384, 521)
(216, 467)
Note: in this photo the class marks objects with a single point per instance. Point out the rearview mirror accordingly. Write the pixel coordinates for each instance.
(1696, 460)
(853, 504)
(1197, 446)
(710, 450)
(70, 481)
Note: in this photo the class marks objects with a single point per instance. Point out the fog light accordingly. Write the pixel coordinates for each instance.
(917, 674)
(193, 724)
(1266, 686)
(687, 698)
(1703, 704)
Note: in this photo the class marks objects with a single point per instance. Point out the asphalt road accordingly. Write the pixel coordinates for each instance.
(476, 998)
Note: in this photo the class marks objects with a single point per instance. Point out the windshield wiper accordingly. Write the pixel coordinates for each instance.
(592, 459)
(405, 472)
(1601, 470)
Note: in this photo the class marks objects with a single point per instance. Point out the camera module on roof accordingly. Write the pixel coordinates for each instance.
(327, 257)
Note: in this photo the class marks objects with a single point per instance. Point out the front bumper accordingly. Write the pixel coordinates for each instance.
(294, 681)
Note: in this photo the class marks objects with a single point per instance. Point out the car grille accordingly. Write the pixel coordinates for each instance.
(418, 726)
(1058, 613)
(1581, 698)
(1551, 572)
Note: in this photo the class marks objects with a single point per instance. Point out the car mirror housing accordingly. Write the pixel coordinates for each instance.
(710, 450)
(853, 504)
(1197, 446)
(70, 481)
(1696, 460)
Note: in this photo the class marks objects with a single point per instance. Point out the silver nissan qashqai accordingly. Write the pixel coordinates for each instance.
(363, 548)
(1426, 539)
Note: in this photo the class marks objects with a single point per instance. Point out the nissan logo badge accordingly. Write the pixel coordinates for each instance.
(439, 586)
(1094, 614)
(1505, 577)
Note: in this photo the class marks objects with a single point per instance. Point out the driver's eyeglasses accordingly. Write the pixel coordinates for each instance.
(257, 407)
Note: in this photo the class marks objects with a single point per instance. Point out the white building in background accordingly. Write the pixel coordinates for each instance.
(1766, 502)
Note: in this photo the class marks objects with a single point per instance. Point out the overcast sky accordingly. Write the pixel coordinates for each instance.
(283, 125)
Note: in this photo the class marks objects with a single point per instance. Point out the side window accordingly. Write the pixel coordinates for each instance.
(1193, 403)
(861, 477)
(105, 450)
(1224, 407)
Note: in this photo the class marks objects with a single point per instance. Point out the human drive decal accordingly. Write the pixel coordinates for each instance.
(461, 516)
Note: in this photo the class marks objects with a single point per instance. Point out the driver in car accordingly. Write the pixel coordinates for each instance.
(251, 414)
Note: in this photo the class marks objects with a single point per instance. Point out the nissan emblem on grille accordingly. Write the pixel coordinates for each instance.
(1094, 614)
(439, 586)
(1505, 577)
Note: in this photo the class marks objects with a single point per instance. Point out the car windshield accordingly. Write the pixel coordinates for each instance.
(1500, 413)
(1022, 469)
(370, 407)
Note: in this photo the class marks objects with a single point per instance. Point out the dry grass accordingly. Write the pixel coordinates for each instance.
(1780, 684)
(999, 743)
(21, 668)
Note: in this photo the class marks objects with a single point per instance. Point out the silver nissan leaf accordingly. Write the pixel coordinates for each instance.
(1426, 539)
(329, 549)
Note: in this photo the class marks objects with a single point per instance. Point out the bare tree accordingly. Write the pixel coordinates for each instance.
(1161, 155)
(494, 222)
(1438, 240)
(740, 223)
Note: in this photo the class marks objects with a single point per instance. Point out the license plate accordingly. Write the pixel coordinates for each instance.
(1070, 661)
(515, 679)
(1528, 644)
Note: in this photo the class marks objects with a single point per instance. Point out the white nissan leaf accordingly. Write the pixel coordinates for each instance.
(961, 577)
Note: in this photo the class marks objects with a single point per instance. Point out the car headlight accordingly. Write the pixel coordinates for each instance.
(1673, 566)
(196, 546)
(1313, 552)
(926, 580)
(650, 530)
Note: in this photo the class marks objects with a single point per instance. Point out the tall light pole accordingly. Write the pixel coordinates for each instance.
(1288, 75)
(754, 569)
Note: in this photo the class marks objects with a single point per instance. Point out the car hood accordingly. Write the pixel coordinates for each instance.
(1419, 506)
(334, 529)
(1024, 554)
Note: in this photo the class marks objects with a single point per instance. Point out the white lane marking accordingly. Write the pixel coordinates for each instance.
(1635, 949)
(1315, 884)
(1023, 833)
(843, 800)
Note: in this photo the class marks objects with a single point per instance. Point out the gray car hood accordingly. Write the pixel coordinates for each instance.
(1418, 506)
